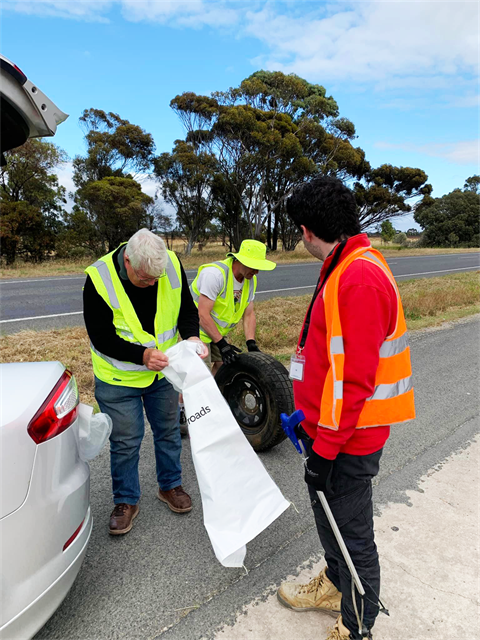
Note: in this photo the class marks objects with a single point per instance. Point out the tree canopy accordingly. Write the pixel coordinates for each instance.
(270, 134)
(472, 184)
(115, 147)
(109, 203)
(31, 200)
(387, 231)
(243, 153)
(385, 191)
(186, 179)
(452, 220)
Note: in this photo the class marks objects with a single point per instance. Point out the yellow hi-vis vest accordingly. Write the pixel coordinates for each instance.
(127, 325)
(224, 313)
(392, 401)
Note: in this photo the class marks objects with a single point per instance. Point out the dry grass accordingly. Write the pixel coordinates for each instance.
(428, 302)
(211, 252)
(71, 346)
(44, 269)
(430, 298)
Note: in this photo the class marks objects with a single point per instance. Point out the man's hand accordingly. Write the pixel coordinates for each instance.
(154, 359)
(252, 346)
(318, 472)
(203, 353)
(229, 352)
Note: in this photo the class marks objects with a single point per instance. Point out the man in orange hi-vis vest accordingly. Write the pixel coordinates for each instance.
(352, 380)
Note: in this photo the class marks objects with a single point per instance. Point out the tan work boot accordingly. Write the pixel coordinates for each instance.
(122, 517)
(340, 631)
(320, 594)
(177, 499)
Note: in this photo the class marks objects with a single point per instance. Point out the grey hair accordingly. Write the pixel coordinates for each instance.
(147, 252)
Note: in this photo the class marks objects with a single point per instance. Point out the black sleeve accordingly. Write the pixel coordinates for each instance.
(99, 323)
(188, 323)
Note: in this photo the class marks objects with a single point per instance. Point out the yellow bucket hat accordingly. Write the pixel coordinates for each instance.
(252, 254)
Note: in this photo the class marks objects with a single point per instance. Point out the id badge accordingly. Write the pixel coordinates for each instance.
(297, 364)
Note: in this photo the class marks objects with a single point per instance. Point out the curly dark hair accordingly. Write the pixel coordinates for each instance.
(326, 207)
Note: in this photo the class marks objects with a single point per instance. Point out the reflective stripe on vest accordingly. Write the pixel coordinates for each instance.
(172, 275)
(119, 364)
(392, 400)
(224, 313)
(127, 325)
(102, 268)
(161, 337)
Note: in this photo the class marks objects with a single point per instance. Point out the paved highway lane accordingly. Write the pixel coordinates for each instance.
(162, 581)
(44, 303)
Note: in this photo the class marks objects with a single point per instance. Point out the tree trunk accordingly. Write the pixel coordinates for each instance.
(236, 239)
(274, 246)
(269, 230)
(192, 238)
(10, 251)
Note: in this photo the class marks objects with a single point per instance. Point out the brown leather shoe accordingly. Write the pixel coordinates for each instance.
(121, 520)
(177, 499)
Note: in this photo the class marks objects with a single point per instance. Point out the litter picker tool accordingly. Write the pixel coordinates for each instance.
(289, 424)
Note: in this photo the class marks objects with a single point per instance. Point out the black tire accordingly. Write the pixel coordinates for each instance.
(257, 389)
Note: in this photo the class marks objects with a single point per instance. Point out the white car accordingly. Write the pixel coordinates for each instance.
(45, 519)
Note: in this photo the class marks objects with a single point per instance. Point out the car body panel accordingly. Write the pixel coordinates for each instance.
(33, 536)
(54, 501)
(24, 387)
(39, 112)
(35, 615)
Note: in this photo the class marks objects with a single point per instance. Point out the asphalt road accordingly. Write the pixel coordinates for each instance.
(45, 303)
(162, 579)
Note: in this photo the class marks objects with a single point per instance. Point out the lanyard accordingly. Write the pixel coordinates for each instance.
(320, 285)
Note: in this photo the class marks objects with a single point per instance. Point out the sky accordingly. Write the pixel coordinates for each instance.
(405, 73)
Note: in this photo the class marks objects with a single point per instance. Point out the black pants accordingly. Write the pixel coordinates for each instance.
(352, 508)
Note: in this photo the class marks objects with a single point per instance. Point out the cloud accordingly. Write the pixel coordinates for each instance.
(65, 179)
(192, 13)
(148, 183)
(386, 46)
(466, 101)
(390, 44)
(87, 10)
(463, 152)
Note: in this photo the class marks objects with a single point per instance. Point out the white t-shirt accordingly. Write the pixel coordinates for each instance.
(210, 284)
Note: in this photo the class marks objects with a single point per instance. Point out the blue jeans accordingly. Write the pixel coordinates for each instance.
(125, 407)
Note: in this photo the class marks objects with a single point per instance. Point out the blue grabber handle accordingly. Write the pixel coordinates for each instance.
(288, 425)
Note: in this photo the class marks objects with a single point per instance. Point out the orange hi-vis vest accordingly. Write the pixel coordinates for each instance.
(392, 401)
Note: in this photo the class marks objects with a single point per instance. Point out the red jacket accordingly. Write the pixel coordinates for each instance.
(368, 310)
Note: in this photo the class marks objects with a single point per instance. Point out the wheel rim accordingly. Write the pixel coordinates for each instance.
(247, 402)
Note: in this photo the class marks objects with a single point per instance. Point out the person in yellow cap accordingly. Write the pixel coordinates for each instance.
(224, 292)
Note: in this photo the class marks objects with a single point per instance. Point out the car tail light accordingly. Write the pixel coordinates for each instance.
(73, 536)
(13, 70)
(58, 411)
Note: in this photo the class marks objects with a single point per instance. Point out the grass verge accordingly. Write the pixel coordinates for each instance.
(427, 302)
(208, 254)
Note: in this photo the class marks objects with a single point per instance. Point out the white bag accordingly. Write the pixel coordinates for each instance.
(239, 497)
(94, 431)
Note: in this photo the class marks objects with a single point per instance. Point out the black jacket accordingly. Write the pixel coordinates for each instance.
(99, 317)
